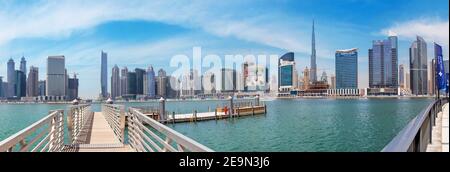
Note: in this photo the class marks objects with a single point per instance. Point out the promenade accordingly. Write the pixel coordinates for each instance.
(439, 140)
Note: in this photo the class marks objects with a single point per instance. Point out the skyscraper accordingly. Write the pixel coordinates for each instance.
(151, 82)
(313, 70)
(124, 81)
(20, 84)
(104, 75)
(306, 79)
(33, 82)
(401, 76)
(432, 77)
(418, 67)
(333, 82)
(139, 81)
(115, 82)
(132, 84)
(56, 76)
(11, 79)
(162, 83)
(286, 65)
(42, 88)
(347, 69)
(383, 63)
(2, 91)
(23, 65)
(72, 88)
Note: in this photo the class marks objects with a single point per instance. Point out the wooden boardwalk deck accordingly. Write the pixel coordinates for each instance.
(100, 138)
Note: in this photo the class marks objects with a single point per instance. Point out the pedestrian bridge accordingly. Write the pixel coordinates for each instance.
(114, 129)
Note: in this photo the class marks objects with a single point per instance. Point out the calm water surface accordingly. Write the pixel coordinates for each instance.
(289, 125)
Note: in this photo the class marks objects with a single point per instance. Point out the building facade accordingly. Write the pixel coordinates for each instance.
(401, 76)
(432, 77)
(11, 72)
(162, 83)
(104, 75)
(42, 88)
(151, 82)
(33, 82)
(115, 82)
(20, 84)
(124, 81)
(418, 67)
(23, 65)
(73, 88)
(286, 65)
(56, 76)
(132, 87)
(313, 70)
(139, 81)
(346, 69)
(383, 63)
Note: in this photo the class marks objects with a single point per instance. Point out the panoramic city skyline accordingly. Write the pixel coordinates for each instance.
(135, 37)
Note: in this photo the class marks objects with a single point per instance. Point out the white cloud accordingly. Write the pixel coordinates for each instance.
(59, 19)
(431, 29)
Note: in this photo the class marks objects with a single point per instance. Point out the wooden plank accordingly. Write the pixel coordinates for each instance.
(101, 132)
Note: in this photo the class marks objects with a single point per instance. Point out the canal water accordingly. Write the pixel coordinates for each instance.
(290, 124)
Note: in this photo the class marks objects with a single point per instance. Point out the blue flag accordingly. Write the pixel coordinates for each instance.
(441, 80)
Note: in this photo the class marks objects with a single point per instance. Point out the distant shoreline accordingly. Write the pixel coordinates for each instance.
(262, 99)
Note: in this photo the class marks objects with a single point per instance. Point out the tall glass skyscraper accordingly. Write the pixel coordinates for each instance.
(104, 75)
(23, 65)
(124, 82)
(383, 63)
(347, 69)
(56, 76)
(115, 82)
(418, 67)
(151, 79)
(132, 87)
(313, 71)
(286, 68)
(11, 72)
(140, 81)
(33, 82)
(20, 84)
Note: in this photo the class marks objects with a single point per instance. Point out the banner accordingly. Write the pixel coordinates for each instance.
(441, 81)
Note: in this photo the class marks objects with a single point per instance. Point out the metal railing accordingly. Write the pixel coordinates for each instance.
(77, 118)
(44, 135)
(417, 134)
(148, 135)
(115, 115)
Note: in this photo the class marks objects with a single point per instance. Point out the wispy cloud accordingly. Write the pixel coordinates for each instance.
(431, 29)
(59, 19)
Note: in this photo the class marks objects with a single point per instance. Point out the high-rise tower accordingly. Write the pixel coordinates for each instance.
(313, 70)
(104, 75)
(115, 82)
(23, 65)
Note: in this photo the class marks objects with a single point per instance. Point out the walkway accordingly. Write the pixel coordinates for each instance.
(439, 141)
(100, 138)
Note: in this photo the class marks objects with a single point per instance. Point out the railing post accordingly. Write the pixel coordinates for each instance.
(53, 132)
(162, 109)
(70, 125)
(122, 124)
(231, 106)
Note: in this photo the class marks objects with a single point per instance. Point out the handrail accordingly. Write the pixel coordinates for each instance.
(115, 115)
(149, 135)
(77, 117)
(418, 132)
(48, 136)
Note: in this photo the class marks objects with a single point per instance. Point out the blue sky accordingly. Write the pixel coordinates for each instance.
(139, 33)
